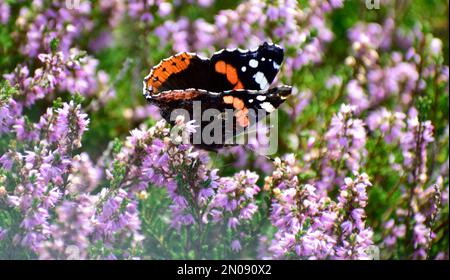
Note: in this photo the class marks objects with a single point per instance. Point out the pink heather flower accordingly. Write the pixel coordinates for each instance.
(372, 35)
(5, 11)
(301, 102)
(204, 35)
(73, 227)
(177, 31)
(85, 175)
(355, 238)
(42, 23)
(70, 124)
(346, 139)
(390, 124)
(436, 46)
(393, 233)
(442, 256)
(235, 197)
(113, 220)
(333, 81)
(25, 131)
(402, 76)
(357, 97)
(299, 210)
(236, 245)
(205, 3)
(164, 9)
(413, 143)
(3, 233)
(59, 71)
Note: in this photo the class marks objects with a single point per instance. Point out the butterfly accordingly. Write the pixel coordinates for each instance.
(230, 90)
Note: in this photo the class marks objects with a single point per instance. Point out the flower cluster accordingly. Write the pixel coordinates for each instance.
(58, 72)
(44, 169)
(354, 238)
(5, 11)
(39, 24)
(346, 139)
(234, 203)
(313, 226)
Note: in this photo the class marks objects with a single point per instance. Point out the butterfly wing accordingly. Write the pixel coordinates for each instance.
(226, 70)
(250, 106)
(247, 69)
(230, 112)
(180, 71)
(246, 106)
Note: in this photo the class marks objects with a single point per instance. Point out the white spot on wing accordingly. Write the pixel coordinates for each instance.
(263, 59)
(243, 69)
(261, 80)
(250, 100)
(261, 97)
(276, 65)
(253, 63)
(268, 107)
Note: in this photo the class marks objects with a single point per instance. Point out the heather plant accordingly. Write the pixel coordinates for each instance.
(89, 170)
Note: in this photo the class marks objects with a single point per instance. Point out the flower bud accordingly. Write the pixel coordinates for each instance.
(3, 191)
(350, 61)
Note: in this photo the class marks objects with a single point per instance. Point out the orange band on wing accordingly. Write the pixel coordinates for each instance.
(228, 99)
(221, 67)
(238, 103)
(162, 72)
(241, 112)
(239, 85)
(230, 72)
(242, 117)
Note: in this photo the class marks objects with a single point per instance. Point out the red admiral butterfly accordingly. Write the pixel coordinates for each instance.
(235, 80)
